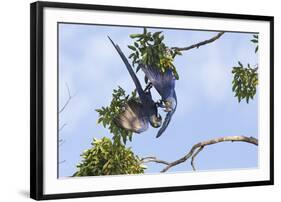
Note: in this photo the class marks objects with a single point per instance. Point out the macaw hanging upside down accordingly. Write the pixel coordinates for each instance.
(136, 115)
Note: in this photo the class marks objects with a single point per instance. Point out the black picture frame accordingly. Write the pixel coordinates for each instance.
(37, 101)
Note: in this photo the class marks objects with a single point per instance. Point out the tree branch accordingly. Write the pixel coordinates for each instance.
(62, 161)
(194, 155)
(197, 148)
(60, 129)
(68, 100)
(61, 142)
(197, 45)
(150, 159)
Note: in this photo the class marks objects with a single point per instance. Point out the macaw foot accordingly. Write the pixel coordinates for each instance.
(148, 87)
(160, 103)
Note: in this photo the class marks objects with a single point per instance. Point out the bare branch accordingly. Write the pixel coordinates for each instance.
(60, 129)
(197, 45)
(68, 100)
(62, 161)
(194, 155)
(61, 142)
(199, 147)
(69, 95)
(153, 159)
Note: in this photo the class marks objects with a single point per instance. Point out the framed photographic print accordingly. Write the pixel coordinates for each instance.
(135, 100)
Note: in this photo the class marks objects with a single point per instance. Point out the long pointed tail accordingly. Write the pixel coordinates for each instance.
(129, 68)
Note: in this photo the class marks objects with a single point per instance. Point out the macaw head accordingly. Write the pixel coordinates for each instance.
(155, 120)
(169, 104)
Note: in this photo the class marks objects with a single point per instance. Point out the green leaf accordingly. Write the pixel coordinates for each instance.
(176, 75)
(234, 86)
(130, 137)
(100, 119)
(240, 64)
(132, 47)
(136, 36)
(254, 41)
(156, 35)
(256, 50)
(179, 53)
(247, 99)
(131, 55)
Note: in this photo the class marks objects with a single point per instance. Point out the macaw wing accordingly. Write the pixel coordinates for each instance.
(162, 82)
(166, 123)
(132, 118)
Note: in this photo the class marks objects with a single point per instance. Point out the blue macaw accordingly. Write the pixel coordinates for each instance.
(137, 114)
(164, 83)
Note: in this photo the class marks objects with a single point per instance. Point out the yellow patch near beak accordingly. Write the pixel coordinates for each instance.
(168, 106)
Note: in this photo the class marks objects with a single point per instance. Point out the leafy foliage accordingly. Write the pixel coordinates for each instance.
(111, 157)
(245, 79)
(105, 158)
(256, 41)
(244, 82)
(149, 49)
(108, 114)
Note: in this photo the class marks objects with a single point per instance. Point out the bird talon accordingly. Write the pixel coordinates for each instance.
(159, 103)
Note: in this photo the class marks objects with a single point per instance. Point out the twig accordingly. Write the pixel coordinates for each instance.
(197, 45)
(153, 159)
(61, 142)
(62, 161)
(199, 146)
(68, 100)
(193, 157)
(60, 129)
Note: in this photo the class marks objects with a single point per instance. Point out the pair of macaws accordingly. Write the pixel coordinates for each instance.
(138, 114)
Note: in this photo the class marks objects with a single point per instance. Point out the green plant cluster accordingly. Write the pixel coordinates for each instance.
(245, 81)
(108, 114)
(149, 49)
(105, 158)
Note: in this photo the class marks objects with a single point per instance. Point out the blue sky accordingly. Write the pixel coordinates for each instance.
(91, 67)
